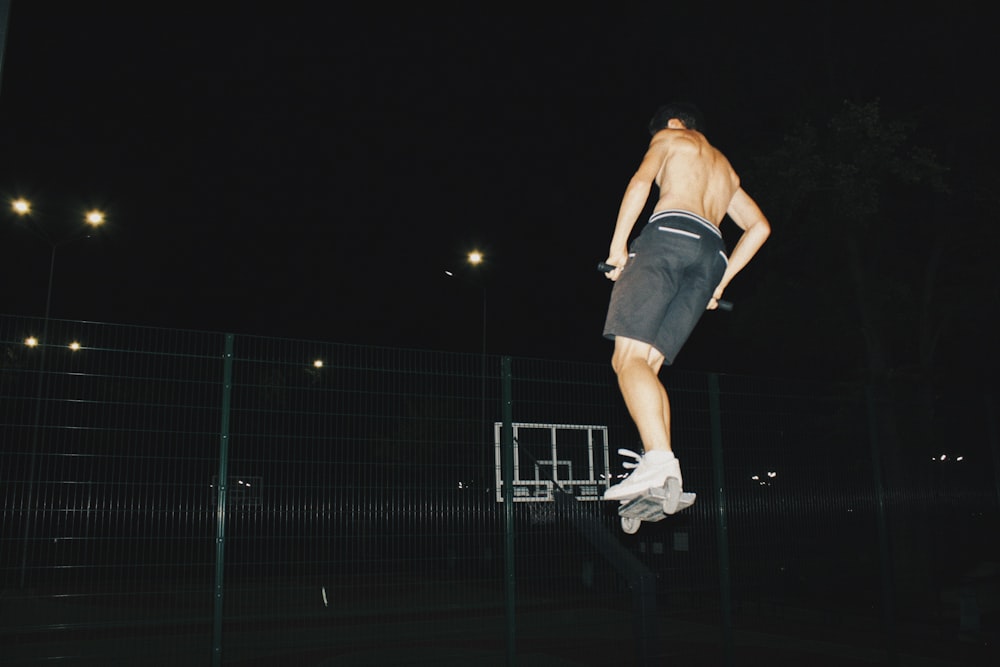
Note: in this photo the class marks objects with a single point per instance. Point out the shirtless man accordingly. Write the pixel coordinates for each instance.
(677, 269)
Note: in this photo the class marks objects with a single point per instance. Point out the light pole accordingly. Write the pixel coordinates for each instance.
(92, 219)
(476, 259)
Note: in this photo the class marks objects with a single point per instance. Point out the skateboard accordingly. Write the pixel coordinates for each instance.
(654, 505)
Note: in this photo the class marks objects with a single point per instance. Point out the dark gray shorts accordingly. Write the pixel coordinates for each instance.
(673, 269)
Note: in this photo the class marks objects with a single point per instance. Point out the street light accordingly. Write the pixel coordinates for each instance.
(21, 206)
(476, 259)
(94, 218)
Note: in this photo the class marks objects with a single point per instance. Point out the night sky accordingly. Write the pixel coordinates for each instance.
(309, 170)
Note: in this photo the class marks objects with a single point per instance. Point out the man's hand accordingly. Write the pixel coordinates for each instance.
(713, 303)
(617, 260)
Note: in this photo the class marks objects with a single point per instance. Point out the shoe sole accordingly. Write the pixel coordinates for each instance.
(672, 488)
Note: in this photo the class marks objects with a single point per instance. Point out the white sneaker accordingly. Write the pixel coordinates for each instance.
(650, 472)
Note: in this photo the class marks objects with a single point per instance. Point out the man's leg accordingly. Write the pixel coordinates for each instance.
(637, 366)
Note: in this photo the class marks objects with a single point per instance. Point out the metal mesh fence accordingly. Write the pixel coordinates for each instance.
(110, 436)
(359, 482)
(178, 497)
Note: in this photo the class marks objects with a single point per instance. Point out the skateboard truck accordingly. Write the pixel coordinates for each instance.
(654, 505)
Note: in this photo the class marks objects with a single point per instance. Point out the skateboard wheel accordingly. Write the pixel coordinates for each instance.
(630, 525)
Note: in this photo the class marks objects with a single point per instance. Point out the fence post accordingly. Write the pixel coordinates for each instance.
(220, 503)
(888, 610)
(507, 441)
(722, 529)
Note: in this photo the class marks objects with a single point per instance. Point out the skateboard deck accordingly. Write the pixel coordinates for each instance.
(654, 505)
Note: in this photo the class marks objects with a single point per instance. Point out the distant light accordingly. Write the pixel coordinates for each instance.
(756, 478)
(318, 363)
(944, 457)
(95, 218)
(31, 341)
(21, 206)
(75, 346)
(475, 258)
(449, 274)
(960, 458)
(772, 475)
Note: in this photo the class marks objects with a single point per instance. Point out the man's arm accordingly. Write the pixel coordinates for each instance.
(748, 217)
(634, 200)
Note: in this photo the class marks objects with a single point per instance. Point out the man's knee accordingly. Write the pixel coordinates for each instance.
(628, 351)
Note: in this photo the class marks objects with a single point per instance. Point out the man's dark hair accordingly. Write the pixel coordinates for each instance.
(685, 112)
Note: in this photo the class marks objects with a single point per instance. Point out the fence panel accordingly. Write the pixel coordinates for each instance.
(803, 521)
(109, 439)
(362, 517)
(362, 500)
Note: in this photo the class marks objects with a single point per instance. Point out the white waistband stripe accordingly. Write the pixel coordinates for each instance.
(686, 214)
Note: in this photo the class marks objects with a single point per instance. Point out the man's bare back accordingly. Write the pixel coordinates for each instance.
(693, 176)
